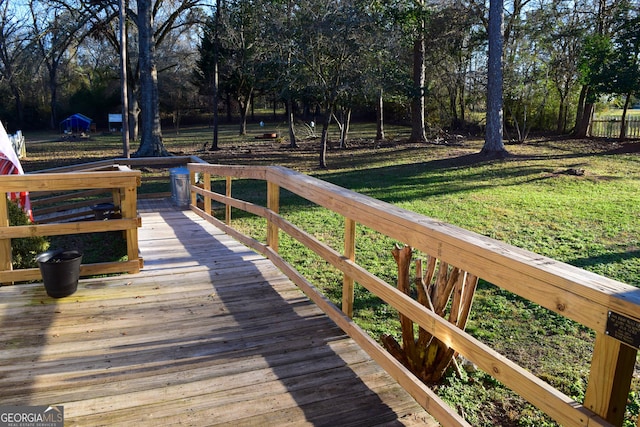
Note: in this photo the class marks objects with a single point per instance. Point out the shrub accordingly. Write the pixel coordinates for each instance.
(24, 250)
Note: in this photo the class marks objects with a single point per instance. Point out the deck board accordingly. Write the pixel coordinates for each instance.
(208, 333)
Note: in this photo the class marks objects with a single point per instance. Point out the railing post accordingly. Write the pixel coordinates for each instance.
(5, 244)
(610, 378)
(227, 207)
(349, 253)
(273, 204)
(116, 196)
(207, 186)
(192, 194)
(129, 209)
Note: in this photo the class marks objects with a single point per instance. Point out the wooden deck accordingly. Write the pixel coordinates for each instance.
(209, 333)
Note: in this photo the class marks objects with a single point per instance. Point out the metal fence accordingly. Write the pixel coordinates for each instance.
(609, 126)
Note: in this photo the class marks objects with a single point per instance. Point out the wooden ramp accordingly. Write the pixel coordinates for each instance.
(209, 333)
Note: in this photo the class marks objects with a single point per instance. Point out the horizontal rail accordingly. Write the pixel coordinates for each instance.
(70, 181)
(68, 228)
(572, 292)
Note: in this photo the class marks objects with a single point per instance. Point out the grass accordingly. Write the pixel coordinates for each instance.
(95, 247)
(533, 199)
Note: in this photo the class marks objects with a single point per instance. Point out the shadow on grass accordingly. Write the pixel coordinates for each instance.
(608, 258)
(413, 181)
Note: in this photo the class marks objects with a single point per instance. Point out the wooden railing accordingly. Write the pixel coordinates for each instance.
(610, 308)
(77, 206)
(120, 182)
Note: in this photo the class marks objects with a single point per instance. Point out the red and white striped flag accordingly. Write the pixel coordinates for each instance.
(10, 165)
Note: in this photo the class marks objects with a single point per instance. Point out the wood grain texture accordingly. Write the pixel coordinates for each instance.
(208, 333)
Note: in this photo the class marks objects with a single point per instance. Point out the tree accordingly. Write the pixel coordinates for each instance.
(562, 33)
(244, 50)
(625, 66)
(419, 76)
(601, 23)
(611, 64)
(280, 68)
(55, 30)
(526, 75)
(453, 34)
(205, 73)
(493, 144)
(151, 144)
(14, 52)
(384, 72)
(180, 15)
(330, 37)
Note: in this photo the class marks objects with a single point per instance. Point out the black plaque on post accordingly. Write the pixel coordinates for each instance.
(623, 329)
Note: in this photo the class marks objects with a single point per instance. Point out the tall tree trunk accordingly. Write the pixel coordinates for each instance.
(216, 81)
(275, 109)
(124, 85)
(380, 116)
(290, 123)
(493, 144)
(582, 127)
(134, 117)
(583, 113)
(17, 94)
(561, 122)
(344, 123)
(324, 139)
(462, 103)
(623, 120)
(453, 104)
(215, 102)
(53, 93)
(245, 103)
(419, 79)
(151, 144)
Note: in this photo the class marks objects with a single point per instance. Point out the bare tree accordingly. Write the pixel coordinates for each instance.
(56, 30)
(331, 36)
(14, 54)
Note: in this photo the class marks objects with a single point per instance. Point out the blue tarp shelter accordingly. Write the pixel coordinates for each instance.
(76, 123)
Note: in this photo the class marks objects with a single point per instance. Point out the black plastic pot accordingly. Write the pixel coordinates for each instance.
(103, 210)
(60, 272)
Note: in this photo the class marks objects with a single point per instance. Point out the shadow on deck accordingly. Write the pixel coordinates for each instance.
(209, 333)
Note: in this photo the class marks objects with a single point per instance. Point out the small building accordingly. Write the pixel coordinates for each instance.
(76, 123)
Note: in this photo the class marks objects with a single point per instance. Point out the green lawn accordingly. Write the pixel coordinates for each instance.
(533, 199)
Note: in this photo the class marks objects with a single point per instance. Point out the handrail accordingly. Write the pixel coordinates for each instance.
(577, 294)
(56, 208)
(50, 207)
(122, 183)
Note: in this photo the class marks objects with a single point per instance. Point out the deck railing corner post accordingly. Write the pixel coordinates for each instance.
(273, 204)
(5, 244)
(206, 185)
(610, 378)
(350, 254)
(227, 206)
